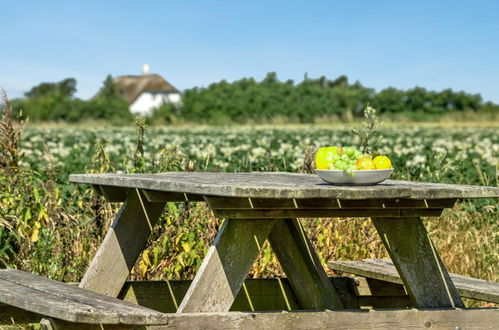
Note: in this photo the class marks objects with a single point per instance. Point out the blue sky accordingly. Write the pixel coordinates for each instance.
(435, 44)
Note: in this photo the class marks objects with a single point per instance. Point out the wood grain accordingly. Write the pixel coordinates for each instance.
(260, 294)
(323, 213)
(418, 263)
(62, 301)
(221, 203)
(226, 265)
(281, 185)
(348, 319)
(300, 263)
(383, 269)
(122, 245)
(163, 196)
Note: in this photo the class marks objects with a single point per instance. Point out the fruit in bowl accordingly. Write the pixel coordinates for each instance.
(348, 165)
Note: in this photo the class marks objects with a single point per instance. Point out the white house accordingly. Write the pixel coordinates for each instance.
(147, 91)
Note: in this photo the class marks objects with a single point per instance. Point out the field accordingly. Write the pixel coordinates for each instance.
(454, 155)
(56, 228)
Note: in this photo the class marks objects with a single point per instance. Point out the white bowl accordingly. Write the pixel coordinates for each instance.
(360, 177)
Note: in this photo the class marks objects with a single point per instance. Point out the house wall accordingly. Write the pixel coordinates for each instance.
(150, 100)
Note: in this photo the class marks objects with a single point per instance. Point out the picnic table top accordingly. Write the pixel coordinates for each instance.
(281, 185)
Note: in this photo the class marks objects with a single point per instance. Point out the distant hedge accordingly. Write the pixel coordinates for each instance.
(56, 102)
(312, 99)
(250, 100)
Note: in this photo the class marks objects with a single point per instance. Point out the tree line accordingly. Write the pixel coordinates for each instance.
(56, 102)
(250, 100)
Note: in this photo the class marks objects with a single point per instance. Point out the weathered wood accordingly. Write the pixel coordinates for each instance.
(346, 319)
(122, 245)
(326, 203)
(418, 263)
(398, 203)
(70, 303)
(224, 268)
(384, 270)
(164, 296)
(281, 185)
(169, 196)
(323, 213)
(264, 295)
(299, 262)
(261, 294)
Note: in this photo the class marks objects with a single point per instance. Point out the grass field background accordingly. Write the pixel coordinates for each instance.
(54, 228)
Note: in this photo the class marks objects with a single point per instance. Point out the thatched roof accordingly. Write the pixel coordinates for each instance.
(133, 86)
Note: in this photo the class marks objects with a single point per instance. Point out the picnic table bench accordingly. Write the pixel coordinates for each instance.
(259, 207)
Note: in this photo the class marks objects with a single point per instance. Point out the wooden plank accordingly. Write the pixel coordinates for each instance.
(418, 263)
(302, 266)
(384, 270)
(317, 203)
(398, 203)
(323, 213)
(126, 312)
(264, 294)
(368, 270)
(374, 287)
(114, 194)
(282, 186)
(169, 196)
(47, 304)
(227, 263)
(346, 319)
(122, 245)
(267, 294)
(326, 203)
(215, 202)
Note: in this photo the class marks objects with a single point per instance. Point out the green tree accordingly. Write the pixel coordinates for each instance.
(109, 104)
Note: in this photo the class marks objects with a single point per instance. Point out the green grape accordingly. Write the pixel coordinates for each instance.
(349, 151)
(335, 157)
(339, 165)
(349, 171)
(344, 157)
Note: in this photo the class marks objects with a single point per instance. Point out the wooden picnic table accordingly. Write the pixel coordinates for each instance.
(257, 207)
(261, 206)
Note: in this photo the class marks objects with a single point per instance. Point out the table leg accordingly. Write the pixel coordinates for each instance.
(122, 245)
(299, 261)
(226, 265)
(424, 275)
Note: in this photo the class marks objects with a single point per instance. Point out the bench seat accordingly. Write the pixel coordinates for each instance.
(70, 303)
(384, 270)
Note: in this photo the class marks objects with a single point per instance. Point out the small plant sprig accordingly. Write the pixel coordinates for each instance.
(10, 136)
(138, 156)
(369, 132)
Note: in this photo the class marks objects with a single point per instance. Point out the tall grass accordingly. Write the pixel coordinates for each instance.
(55, 230)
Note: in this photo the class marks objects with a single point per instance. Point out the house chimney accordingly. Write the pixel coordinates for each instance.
(145, 69)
